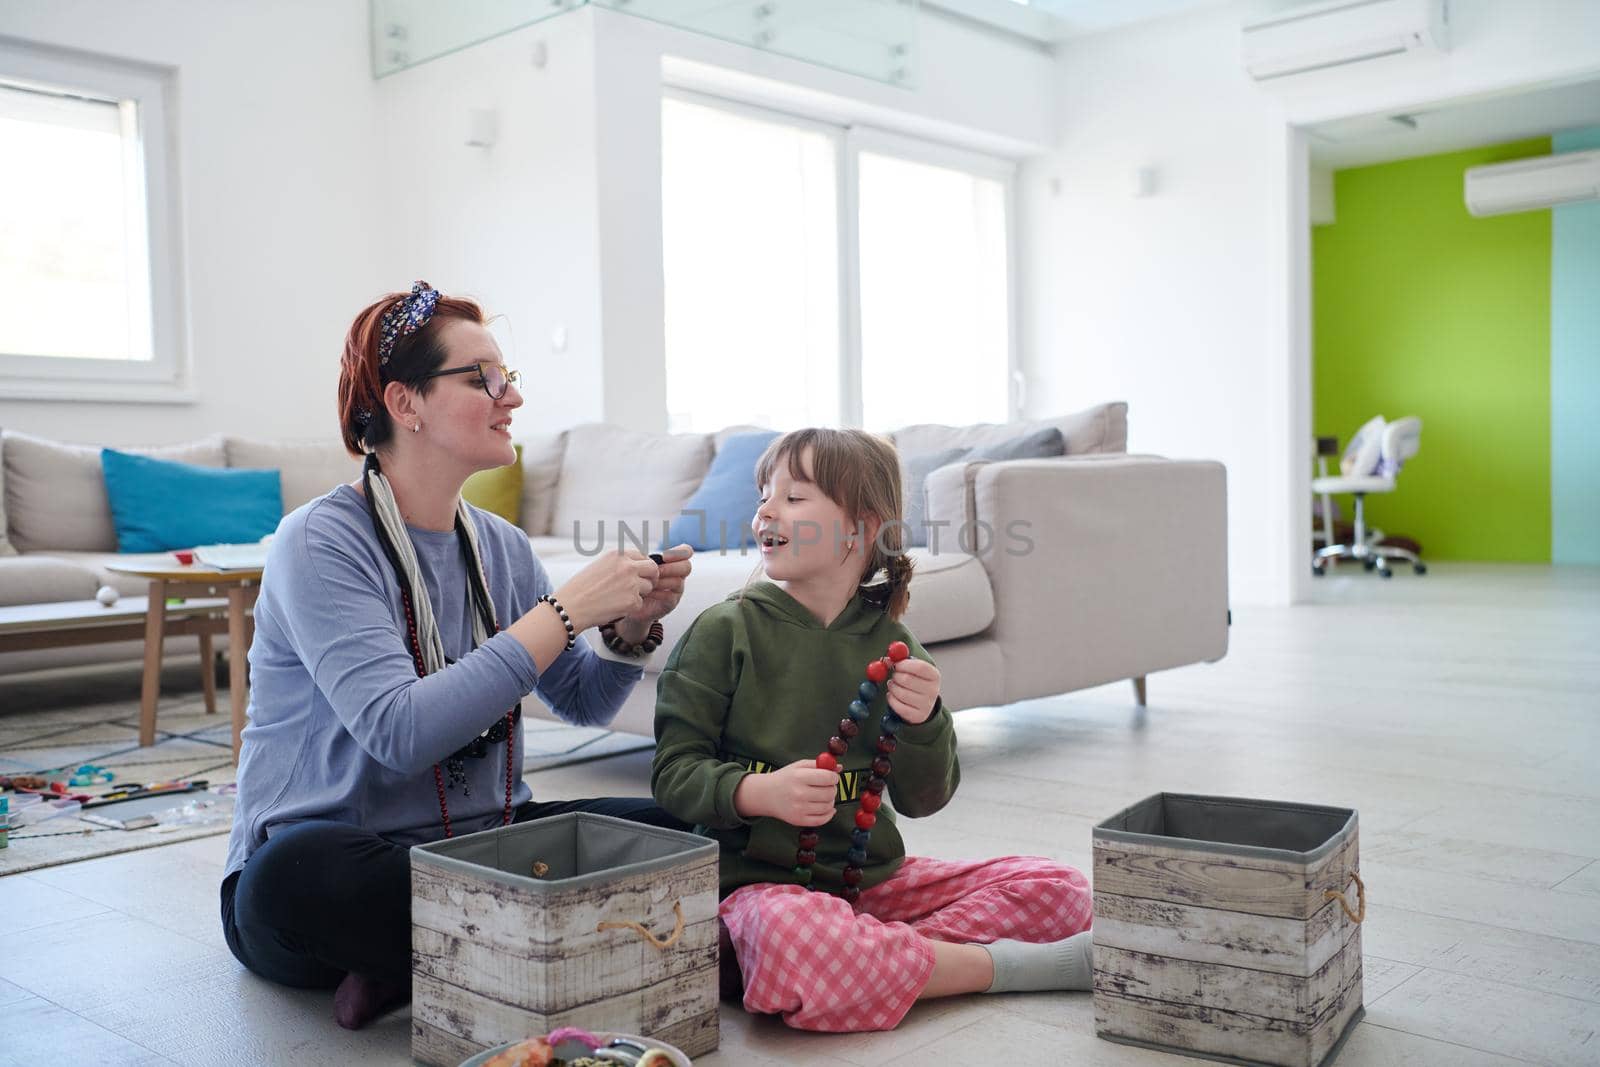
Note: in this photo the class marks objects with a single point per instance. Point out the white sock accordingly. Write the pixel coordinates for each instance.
(1022, 966)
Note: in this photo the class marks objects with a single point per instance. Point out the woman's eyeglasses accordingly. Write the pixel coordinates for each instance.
(495, 378)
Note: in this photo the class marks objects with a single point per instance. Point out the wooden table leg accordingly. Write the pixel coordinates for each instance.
(208, 674)
(238, 659)
(155, 631)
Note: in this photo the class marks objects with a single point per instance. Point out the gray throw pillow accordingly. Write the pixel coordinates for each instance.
(914, 473)
(1037, 445)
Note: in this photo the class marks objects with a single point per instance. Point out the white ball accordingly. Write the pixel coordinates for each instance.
(106, 595)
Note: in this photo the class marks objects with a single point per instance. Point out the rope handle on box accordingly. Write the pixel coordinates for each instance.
(640, 929)
(1361, 899)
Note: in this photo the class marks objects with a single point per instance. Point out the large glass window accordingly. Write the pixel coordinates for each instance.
(750, 252)
(824, 275)
(91, 279)
(74, 261)
(935, 294)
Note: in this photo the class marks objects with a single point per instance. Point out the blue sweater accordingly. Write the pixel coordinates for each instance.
(342, 728)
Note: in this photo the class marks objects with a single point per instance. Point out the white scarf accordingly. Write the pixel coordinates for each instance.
(392, 529)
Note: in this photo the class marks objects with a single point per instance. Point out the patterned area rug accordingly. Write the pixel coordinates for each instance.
(53, 727)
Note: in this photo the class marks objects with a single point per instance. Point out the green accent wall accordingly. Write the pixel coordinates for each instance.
(1421, 309)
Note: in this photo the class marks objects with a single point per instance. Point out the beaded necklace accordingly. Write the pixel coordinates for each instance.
(503, 728)
(878, 672)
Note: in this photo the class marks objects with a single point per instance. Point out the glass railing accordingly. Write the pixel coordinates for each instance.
(872, 38)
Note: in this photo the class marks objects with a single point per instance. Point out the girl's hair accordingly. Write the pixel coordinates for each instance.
(860, 472)
(364, 420)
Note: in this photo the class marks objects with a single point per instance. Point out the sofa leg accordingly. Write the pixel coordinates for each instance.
(1138, 690)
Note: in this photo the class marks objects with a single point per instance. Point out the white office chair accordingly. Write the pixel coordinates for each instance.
(1396, 442)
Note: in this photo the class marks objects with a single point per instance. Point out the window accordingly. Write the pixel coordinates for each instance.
(89, 298)
(824, 275)
(935, 294)
(750, 260)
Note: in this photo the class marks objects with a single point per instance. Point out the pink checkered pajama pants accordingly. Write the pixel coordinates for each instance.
(826, 965)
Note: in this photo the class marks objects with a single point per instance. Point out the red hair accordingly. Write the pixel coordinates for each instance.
(363, 419)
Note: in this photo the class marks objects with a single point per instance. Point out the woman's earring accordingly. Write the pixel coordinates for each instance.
(416, 426)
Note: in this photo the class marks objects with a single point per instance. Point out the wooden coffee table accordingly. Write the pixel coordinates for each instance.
(239, 587)
(66, 623)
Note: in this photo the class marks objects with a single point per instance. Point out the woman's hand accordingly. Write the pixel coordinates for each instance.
(666, 589)
(914, 689)
(801, 794)
(614, 585)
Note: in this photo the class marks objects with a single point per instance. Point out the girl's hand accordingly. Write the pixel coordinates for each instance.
(914, 689)
(801, 794)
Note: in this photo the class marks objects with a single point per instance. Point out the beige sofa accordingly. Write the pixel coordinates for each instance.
(1089, 568)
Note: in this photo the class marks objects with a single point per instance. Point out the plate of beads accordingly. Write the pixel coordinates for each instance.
(571, 1047)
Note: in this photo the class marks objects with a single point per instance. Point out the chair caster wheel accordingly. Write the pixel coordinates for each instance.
(1385, 572)
(1317, 572)
(1369, 565)
(1419, 568)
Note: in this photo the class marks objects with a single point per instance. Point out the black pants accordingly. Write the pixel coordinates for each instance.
(321, 899)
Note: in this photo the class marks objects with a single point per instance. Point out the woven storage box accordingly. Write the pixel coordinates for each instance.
(618, 933)
(1221, 928)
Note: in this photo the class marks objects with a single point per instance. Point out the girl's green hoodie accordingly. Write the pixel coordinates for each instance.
(758, 683)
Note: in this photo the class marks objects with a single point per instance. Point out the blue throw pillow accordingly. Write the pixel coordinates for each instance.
(727, 499)
(158, 505)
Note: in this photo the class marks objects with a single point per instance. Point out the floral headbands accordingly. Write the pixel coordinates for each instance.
(408, 315)
(405, 316)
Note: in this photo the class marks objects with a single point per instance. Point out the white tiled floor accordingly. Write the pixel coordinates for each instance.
(1459, 712)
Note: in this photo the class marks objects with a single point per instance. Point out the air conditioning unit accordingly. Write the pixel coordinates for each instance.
(1336, 33)
(1530, 184)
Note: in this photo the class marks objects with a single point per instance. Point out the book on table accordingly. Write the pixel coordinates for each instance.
(250, 557)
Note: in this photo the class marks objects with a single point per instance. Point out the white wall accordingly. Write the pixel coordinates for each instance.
(515, 225)
(276, 123)
(1192, 305)
(559, 225)
(308, 189)
(1165, 301)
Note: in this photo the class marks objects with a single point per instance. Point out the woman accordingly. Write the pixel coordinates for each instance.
(385, 694)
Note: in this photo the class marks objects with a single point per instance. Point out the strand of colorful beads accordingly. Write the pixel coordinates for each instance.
(878, 672)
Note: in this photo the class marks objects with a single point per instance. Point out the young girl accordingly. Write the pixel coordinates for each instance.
(759, 686)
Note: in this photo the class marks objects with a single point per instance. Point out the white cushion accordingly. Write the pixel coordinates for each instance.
(1370, 483)
(541, 470)
(34, 579)
(1102, 428)
(98, 566)
(56, 493)
(611, 476)
(1361, 455)
(950, 596)
(306, 469)
(1401, 440)
(6, 547)
(950, 593)
(548, 547)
